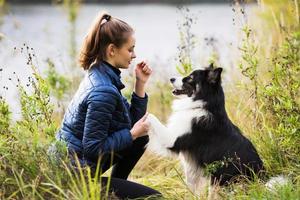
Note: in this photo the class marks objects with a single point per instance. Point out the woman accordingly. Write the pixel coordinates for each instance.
(99, 123)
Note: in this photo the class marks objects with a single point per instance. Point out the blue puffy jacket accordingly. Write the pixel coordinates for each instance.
(98, 119)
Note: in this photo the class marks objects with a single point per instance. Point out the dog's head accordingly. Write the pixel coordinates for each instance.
(198, 83)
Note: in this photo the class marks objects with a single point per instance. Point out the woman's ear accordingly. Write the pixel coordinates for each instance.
(111, 50)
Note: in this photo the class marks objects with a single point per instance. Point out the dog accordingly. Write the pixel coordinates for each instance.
(199, 132)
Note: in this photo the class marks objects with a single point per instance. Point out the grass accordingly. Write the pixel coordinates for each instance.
(264, 103)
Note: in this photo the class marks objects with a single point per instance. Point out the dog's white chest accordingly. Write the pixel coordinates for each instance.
(180, 123)
(184, 112)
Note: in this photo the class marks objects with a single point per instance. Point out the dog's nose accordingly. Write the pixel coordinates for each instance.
(172, 80)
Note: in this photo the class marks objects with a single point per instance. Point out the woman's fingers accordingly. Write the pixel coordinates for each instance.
(141, 64)
(146, 69)
(147, 127)
(149, 71)
(144, 117)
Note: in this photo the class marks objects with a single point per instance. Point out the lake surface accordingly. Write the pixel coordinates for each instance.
(46, 29)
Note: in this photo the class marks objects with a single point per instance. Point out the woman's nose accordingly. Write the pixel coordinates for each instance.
(133, 56)
(172, 80)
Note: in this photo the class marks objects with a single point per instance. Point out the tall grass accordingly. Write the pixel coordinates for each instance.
(187, 41)
(2, 12)
(32, 164)
(265, 105)
(72, 8)
(274, 85)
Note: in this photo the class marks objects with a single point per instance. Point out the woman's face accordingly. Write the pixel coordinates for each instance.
(125, 54)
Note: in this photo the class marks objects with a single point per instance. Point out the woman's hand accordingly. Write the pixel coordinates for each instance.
(142, 72)
(140, 128)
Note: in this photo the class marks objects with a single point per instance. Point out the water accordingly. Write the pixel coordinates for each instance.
(46, 29)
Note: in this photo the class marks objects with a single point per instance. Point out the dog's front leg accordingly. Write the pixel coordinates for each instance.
(155, 125)
(160, 139)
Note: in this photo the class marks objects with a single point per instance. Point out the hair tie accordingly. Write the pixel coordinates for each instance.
(107, 17)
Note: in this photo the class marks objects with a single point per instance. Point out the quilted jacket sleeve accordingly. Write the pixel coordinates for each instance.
(138, 107)
(96, 140)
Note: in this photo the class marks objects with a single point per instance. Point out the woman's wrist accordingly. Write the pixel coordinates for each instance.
(140, 82)
(139, 88)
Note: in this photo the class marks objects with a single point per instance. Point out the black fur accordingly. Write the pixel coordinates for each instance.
(215, 138)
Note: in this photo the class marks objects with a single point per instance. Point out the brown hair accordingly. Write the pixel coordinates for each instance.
(104, 31)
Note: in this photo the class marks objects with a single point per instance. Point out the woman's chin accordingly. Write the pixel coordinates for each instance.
(124, 67)
(128, 65)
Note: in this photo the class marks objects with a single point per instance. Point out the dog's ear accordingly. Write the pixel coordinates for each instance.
(211, 66)
(214, 76)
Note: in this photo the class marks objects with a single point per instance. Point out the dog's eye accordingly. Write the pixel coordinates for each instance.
(187, 79)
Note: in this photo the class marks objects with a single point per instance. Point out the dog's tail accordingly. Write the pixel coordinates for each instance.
(277, 182)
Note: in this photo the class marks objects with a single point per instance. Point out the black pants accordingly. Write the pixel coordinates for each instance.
(123, 163)
(125, 189)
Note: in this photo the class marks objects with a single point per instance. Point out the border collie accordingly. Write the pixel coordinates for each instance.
(211, 148)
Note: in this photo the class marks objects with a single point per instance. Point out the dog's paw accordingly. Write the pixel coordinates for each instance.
(153, 123)
(152, 119)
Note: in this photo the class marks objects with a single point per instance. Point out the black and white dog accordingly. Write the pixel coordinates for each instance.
(210, 147)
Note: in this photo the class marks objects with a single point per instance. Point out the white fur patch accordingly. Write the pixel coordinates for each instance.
(195, 178)
(180, 123)
(184, 111)
(277, 181)
(177, 84)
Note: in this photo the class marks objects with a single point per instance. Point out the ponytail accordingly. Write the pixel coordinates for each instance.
(104, 31)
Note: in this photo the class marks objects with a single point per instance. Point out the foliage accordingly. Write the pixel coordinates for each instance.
(35, 106)
(3, 10)
(5, 116)
(72, 8)
(187, 42)
(59, 84)
(280, 100)
(160, 100)
(214, 166)
(33, 166)
(2, 2)
(274, 87)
